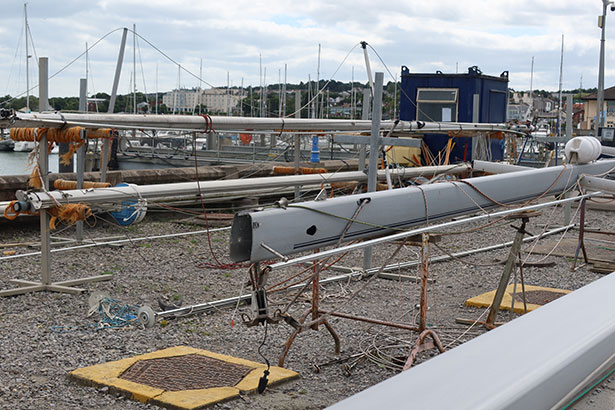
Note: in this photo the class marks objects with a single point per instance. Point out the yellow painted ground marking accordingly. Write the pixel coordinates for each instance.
(485, 299)
(107, 374)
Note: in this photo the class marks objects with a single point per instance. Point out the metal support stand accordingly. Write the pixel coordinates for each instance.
(421, 343)
(514, 258)
(316, 318)
(581, 242)
(45, 283)
(508, 268)
(319, 316)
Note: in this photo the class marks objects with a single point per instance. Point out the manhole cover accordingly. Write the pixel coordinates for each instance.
(538, 297)
(186, 372)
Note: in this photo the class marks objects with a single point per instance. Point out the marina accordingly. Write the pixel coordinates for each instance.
(407, 236)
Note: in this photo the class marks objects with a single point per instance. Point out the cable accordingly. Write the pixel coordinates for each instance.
(64, 67)
(327, 83)
(262, 382)
(400, 88)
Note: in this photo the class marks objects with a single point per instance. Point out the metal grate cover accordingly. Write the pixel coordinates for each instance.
(186, 372)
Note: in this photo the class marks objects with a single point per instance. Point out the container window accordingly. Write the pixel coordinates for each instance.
(437, 104)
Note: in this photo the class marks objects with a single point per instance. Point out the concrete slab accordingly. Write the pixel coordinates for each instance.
(109, 374)
(485, 299)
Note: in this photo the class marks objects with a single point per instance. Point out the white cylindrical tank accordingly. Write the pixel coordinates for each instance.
(587, 149)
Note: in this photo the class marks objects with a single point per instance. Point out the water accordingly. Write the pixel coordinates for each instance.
(16, 163)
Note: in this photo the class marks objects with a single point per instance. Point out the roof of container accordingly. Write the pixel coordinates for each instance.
(473, 71)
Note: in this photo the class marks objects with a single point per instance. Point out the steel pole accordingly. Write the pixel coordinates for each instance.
(373, 152)
(364, 117)
(117, 194)
(375, 134)
(116, 81)
(600, 100)
(44, 217)
(222, 123)
(297, 140)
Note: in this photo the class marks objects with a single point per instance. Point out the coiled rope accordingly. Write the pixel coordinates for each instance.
(71, 135)
(111, 314)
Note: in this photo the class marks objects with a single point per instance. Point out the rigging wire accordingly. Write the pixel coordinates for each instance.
(65, 66)
(400, 88)
(17, 50)
(142, 71)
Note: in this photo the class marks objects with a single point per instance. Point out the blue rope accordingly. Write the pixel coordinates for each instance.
(111, 314)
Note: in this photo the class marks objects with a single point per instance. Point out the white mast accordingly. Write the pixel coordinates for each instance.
(352, 96)
(200, 85)
(561, 75)
(531, 84)
(134, 68)
(228, 94)
(156, 102)
(241, 99)
(87, 80)
(86, 67)
(264, 114)
(260, 79)
(25, 17)
(395, 99)
(280, 92)
(284, 91)
(317, 90)
(310, 112)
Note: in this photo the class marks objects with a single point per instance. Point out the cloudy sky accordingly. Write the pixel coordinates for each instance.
(229, 36)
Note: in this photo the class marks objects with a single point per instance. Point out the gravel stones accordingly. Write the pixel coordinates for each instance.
(36, 359)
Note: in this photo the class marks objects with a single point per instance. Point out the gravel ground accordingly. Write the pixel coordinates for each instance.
(36, 357)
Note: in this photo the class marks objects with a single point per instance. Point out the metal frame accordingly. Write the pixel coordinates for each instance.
(541, 360)
(46, 284)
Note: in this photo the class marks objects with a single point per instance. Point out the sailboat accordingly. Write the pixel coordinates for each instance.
(6, 144)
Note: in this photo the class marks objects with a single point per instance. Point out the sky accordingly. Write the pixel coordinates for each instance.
(231, 38)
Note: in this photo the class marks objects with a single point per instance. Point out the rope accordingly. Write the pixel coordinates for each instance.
(111, 314)
(10, 213)
(68, 214)
(63, 184)
(301, 170)
(71, 136)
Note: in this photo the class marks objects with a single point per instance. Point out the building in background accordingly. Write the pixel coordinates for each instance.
(215, 100)
(591, 109)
